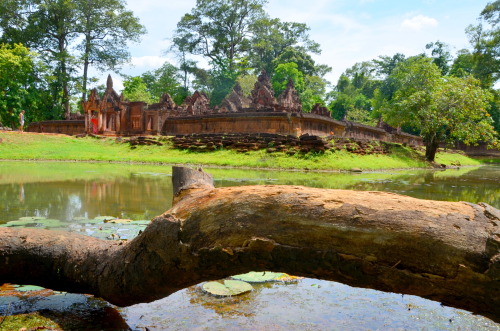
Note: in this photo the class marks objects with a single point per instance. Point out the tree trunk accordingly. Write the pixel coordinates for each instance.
(444, 251)
(431, 146)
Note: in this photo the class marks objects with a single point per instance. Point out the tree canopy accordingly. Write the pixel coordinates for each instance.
(70, 35)
(444, 109)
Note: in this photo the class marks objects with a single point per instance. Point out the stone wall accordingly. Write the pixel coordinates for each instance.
(71, 127)
(289, 144)
(294, 124)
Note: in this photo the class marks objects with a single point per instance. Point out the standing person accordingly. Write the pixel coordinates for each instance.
(21, 121)
(94, 123)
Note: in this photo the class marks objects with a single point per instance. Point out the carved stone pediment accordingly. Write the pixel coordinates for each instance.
(289, 99)
(263, 94)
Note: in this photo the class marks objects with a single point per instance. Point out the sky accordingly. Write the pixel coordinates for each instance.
(349, 31)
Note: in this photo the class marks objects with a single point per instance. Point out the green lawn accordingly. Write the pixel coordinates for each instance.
(30, 146)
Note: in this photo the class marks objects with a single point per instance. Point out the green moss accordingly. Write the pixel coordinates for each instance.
(32, 321)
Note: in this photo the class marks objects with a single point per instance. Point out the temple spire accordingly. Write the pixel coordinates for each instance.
(109, 83)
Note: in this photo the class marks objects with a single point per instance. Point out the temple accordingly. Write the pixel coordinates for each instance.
(261, 112)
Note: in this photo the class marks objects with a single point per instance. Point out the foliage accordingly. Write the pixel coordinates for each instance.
(228, 288)
(238, 38)
(22, 86)
(106, 27)
(259, 276)
(135, 89)
(444, 109)
(218, 30)
(165, 79)
(355, 90)
(69, 35)
(247, 83)
(274, 42)
(440, 54)
(285, 72)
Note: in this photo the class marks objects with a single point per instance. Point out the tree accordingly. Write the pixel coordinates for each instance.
(444, 109)
(52, 28)
(218, 30)
(352, 98)
(463, 64)
(134, 89)
(106, 27)
(272, 38)
(165, 79)
(17, 77)
(283, 73)
(440, 53)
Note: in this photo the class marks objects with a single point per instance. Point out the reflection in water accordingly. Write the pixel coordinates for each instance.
(66, 191)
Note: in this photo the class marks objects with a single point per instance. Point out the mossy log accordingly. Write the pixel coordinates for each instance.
(444, 251)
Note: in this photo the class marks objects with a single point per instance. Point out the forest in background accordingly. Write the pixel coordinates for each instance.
(48, 46)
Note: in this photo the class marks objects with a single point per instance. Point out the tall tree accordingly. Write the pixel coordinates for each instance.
(106, 27)
(444, 109)
(219, 30)
(272, 37)
(135, 89)
(47, 26)
(440, 53)
(165, 79)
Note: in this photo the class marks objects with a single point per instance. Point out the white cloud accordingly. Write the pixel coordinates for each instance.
(148, 61)
(419, 22)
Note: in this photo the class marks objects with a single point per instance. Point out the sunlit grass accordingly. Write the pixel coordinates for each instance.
(16, 146)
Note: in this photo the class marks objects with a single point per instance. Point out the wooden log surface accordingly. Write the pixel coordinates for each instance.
(444, 251)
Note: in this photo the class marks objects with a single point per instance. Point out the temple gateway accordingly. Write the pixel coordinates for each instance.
(261, 112)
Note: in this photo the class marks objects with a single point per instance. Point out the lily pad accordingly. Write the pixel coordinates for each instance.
(20, 223)
(229, 288)
(142, 222)
(104, 218)
(120, 221)
(49, 223)
(26, 288)
(259, 276)
(32, 218)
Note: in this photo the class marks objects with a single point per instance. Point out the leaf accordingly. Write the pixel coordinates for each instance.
(229, 288)
(259, 276)
(120, 221)
(26, 288)
(104, 218)
(32, 218)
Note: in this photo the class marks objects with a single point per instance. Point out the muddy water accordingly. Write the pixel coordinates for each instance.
(68, 192)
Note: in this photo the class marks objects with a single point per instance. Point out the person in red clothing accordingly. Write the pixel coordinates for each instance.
(94, 123)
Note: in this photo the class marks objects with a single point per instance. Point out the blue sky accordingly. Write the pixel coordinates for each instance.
(348, 31)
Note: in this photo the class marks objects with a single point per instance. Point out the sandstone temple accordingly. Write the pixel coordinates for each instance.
(261, 112)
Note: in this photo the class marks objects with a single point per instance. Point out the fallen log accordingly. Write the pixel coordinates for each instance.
(443, 251)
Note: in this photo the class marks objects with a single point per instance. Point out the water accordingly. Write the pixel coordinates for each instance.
(68, 192)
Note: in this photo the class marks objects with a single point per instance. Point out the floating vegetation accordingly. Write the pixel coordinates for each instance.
(266, 276)
(39, 222)
(228, 288)
(102, 227)
(104, 218)
(258, 276)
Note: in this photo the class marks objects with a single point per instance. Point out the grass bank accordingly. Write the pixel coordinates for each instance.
(30, 146)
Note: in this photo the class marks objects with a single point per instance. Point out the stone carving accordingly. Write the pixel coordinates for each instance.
(235, 102)
(166, 103)
(197, 104)
(289, 99)
(320, 110)
(263, 94)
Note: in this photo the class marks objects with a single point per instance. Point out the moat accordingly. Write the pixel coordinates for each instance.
(70, 192)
